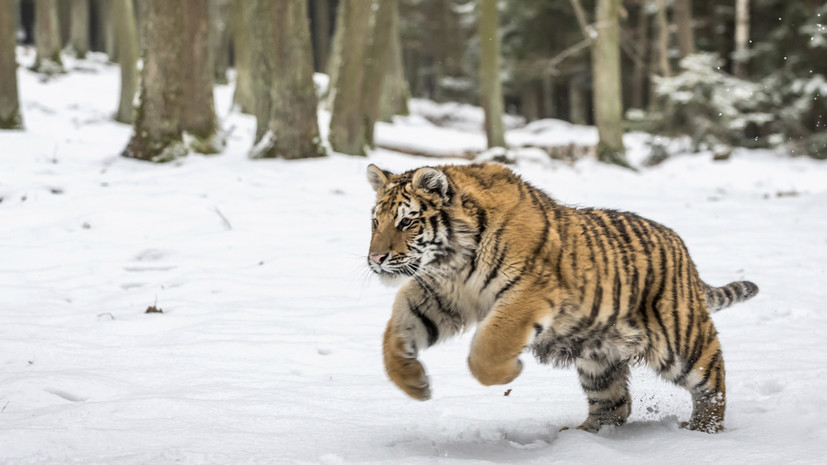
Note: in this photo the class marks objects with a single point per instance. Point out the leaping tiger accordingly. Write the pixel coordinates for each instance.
(597, 289)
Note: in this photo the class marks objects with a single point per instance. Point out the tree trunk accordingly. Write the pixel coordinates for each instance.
(220, 39)
(157, 129)
(47, 38)
(663, 39)
(292, 130)
(530, 101)
(741, 39)
(123, 15)
(686, 34)
(243, 94)
(490, 86)
(347, 127)
(79, 37)
(577, 101)
(395, 93)
(334, 60)
(376, 67)
(10, 117)
(107, 29)
(641, 48)
(64, 18)
(321, 33)
(198, 119)
(262, 61)
(608, 103)
(549, 107)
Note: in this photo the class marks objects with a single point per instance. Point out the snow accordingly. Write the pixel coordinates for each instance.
(268, 347)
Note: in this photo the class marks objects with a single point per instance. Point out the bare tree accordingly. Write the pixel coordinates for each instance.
(395, 93)
(376, 67)
(10, 117)
(608, 103)
(220, 38)
(490, 86)
(321, 32)
(683, 20)
(663, 39)
(123, 16)
(198, 119)
(243, 94)
(79, 28)
(347, 128)
(740, 56)
(291, 129)
(47, 38)
(157, 134)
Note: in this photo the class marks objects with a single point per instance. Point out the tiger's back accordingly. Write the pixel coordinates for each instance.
(599, 289)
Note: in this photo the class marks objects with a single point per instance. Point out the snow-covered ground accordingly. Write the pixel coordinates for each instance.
(268, 348)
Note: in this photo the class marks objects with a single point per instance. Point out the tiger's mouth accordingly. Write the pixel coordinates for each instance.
(395, 270)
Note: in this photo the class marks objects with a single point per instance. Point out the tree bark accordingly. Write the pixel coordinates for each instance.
(157, 129)
(395, 93)
(10, 117)
(741, 39)
(220, 39)
(376, 66)
(490, 86)
(347, 127)
(577, 101)
(321, 33)
(79, 29)
(549, 107)
(262, 61)
(663, 39)
(686, 34)
(243, 94)
(124, 21)
(107, 30)
(641, 48)
(608, 102)
(47, 38)
(334, 60)
(292, 129)
(198, 119)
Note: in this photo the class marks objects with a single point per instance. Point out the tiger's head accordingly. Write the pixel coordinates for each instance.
(411, 229)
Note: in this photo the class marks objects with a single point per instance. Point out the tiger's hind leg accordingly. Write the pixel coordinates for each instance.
(606, 384)
(700, 370)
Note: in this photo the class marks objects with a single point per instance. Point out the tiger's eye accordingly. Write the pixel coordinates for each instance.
(405, 222)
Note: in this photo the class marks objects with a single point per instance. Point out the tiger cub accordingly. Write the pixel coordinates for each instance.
(599, 289)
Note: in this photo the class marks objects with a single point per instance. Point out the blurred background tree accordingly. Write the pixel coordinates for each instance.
(725, 74)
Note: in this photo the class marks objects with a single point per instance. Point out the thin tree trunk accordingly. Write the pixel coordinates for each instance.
(376, 67)
(10, 117)
(198, 119)
(663, 39)
(395, 93)
(107, 29)
(530, 101)
(220, 39)
(608, 102)
(334, 60)
(262, 61)
(577, 101)
(47, 38)
(123, 14)
(321, 33)
(549, 107)
(490, 86)
(741, 39)
(79, 34)
(64, 18)
(347, 127)
(686, 34)
(243, 94)
(292, 130)
(641, 48)
(157, 129)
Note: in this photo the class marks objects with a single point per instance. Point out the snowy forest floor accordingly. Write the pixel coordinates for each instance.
(268, 347)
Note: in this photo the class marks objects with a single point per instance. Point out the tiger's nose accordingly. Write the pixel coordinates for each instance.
(378, 258)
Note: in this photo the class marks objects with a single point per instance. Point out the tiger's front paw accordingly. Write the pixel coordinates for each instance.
(490, 374)
(409, 375)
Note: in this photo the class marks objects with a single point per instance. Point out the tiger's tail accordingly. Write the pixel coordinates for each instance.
(719, 298)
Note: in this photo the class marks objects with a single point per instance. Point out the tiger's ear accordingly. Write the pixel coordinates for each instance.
(377, 177)
(432, 180)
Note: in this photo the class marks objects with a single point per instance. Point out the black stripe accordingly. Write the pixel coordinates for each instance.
(712, 365)
(538, 329)
(498, 263)
(508, 286)
(430, 327)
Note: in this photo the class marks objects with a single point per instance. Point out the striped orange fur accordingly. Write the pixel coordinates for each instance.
(598, 289)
